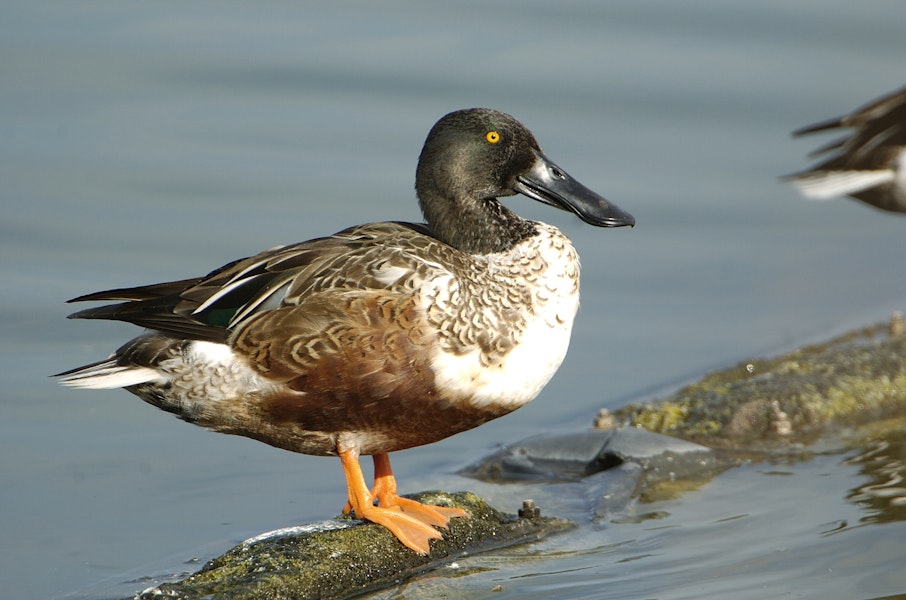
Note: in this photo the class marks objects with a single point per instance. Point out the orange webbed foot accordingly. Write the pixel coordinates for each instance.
(413, 533)
(385, 492)
(410, 521)
(430, 514)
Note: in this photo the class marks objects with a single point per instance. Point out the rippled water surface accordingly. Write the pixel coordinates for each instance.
(144, 142)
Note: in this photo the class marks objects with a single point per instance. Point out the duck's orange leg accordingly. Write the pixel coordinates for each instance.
(412, 532)
(385, 492)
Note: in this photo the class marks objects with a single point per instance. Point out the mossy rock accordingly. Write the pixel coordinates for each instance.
(347, 557)
(791, 400)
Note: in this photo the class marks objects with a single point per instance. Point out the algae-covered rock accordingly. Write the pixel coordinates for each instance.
(789, 400)
(346, 558)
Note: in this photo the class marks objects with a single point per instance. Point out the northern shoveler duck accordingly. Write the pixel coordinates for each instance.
(380, 337)
(869, 164)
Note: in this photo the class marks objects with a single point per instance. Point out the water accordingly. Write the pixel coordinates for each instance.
(154, 141)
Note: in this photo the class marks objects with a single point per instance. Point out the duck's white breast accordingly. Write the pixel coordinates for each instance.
(533, 333)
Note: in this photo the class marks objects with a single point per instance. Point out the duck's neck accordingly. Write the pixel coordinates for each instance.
(477, 226)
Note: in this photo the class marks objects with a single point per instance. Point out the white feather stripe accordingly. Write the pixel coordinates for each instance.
(269, 300)
(221, 293)
(389, 274)
(109, 375)
(830, 184)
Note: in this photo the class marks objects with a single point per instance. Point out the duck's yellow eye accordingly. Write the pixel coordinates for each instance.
(493, 137)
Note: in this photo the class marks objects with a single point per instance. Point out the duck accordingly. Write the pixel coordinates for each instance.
(381, 337)
(868, 164)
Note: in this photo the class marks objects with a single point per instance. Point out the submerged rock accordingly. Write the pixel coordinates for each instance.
(617, 465)
(344, 558)
(572, 456)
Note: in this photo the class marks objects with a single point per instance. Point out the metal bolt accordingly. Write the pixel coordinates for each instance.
(529, 510)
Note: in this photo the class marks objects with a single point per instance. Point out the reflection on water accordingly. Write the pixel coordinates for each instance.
(883, 461)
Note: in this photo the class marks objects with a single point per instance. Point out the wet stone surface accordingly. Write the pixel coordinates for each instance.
(619, 465)
(345, 558)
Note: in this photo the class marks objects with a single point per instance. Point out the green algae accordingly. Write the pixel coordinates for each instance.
(344, 562)
(790, 400)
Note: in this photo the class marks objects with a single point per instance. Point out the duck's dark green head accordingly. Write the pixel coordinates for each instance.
(474, 156)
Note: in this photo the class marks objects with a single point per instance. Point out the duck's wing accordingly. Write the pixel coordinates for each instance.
(877, 127)
(885, 107)
(389, 255)
(863, 163)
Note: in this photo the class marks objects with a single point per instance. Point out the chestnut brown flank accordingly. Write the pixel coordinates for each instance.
(362, 363)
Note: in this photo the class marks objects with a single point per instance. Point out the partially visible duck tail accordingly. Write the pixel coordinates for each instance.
(133, 363)
(107, 374)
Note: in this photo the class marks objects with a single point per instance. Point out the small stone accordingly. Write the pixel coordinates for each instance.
(605, 420)
(529, 510)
